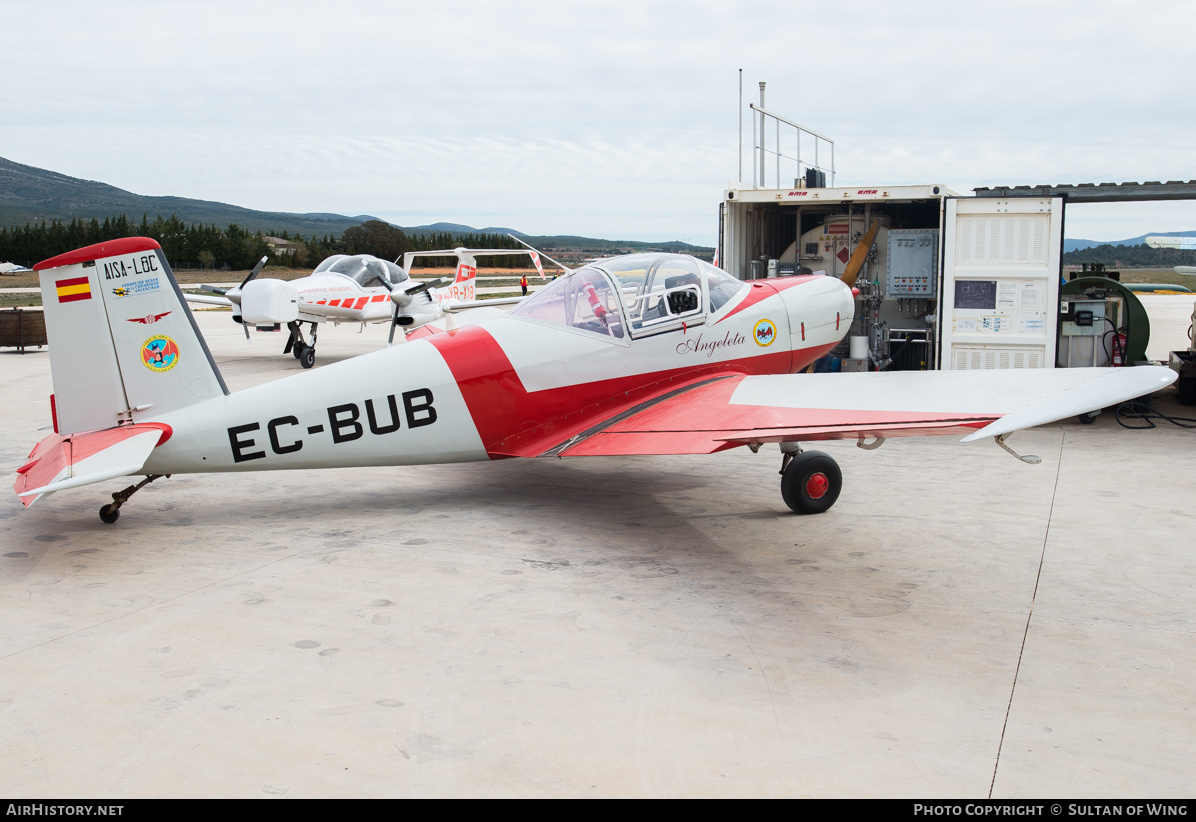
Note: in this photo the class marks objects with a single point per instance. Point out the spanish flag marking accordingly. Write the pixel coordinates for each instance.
(76, 288)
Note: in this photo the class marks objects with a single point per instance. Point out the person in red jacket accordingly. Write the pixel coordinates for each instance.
(523, 284)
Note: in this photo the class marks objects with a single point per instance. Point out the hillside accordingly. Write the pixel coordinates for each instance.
(1131, 256)
(31, 195)
(34, 195)
(1080, 245)
(457, 228)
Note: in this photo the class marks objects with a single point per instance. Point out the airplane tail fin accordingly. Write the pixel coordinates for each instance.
(122, 340)
(463, 287)
(124, 348)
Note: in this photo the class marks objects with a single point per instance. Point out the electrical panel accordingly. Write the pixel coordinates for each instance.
(1001, 282)
(912, 263)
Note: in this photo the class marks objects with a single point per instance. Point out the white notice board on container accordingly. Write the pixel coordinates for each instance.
(1000, 288)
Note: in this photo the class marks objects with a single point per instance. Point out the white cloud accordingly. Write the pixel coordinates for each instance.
(612, 119)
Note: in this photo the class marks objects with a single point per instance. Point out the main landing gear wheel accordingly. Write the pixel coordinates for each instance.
(298, 350)
(307, 357)
(110, 513)
(811, 483)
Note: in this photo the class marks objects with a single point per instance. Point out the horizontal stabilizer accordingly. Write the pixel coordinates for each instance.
(59, 462)
(470, 305)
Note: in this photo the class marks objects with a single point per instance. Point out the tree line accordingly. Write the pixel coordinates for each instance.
(236, 248)
(1131, 256)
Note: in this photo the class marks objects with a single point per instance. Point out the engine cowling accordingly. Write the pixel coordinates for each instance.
(269, 301)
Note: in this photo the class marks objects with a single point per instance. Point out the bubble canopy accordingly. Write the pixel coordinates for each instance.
(648, 292)
(361, 268)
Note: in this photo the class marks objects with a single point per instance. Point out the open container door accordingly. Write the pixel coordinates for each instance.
(1000, 290)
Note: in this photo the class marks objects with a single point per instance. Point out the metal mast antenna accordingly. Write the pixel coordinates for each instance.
(762, 137)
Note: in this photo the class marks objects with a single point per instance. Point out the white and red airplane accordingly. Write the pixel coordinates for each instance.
(463, 286)
(359, 288)
(643, 354)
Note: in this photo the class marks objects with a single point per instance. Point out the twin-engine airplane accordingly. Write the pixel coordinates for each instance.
(358, 289)
(643, 354)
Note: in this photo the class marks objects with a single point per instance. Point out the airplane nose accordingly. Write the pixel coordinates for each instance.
(820, 311)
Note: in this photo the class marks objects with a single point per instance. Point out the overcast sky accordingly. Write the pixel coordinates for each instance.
(605, 119)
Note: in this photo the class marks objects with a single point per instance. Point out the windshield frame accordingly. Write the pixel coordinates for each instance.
(564, 282)
(651, 264)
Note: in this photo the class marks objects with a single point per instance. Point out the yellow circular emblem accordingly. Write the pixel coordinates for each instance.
(765, 333)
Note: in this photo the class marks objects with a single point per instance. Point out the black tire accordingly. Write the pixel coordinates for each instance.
(109, 514)
(811, 483)
(308, 357)
(298, 350)
(1089, 418)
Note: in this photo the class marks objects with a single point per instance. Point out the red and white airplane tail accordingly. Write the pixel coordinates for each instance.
(465, 282)
(122, 341)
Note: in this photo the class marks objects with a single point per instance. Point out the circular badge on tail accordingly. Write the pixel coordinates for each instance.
(765, 333)
(160, 353)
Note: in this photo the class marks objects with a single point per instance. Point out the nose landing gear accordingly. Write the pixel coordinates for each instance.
(306, 354)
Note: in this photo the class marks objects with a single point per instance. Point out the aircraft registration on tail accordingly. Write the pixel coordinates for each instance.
(634, 355)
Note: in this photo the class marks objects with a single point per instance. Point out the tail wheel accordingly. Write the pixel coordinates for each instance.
(308, 358)
(811, 483)
(110, 513)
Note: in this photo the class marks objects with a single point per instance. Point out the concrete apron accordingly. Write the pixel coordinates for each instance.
(959, 623)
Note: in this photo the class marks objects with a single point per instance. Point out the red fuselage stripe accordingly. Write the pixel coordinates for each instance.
(761, 290)
(499, 404)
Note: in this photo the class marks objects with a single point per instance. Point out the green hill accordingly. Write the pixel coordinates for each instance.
(34, 195)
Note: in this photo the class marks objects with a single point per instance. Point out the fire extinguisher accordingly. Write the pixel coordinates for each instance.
(1119, 343)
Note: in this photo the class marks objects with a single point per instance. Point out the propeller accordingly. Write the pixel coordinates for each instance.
(861, 253)
(257, 269)
(394, 320)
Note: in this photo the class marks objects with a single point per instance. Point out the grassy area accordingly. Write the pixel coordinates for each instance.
(33, 300)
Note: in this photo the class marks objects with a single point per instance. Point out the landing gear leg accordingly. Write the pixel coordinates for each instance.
(295, 344)
(810, 482)
(110, 513)
(789, 450)
(307, 357)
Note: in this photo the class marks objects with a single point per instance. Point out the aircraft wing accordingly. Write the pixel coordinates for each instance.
(207, 299)
(57, 462)
(731, 410)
